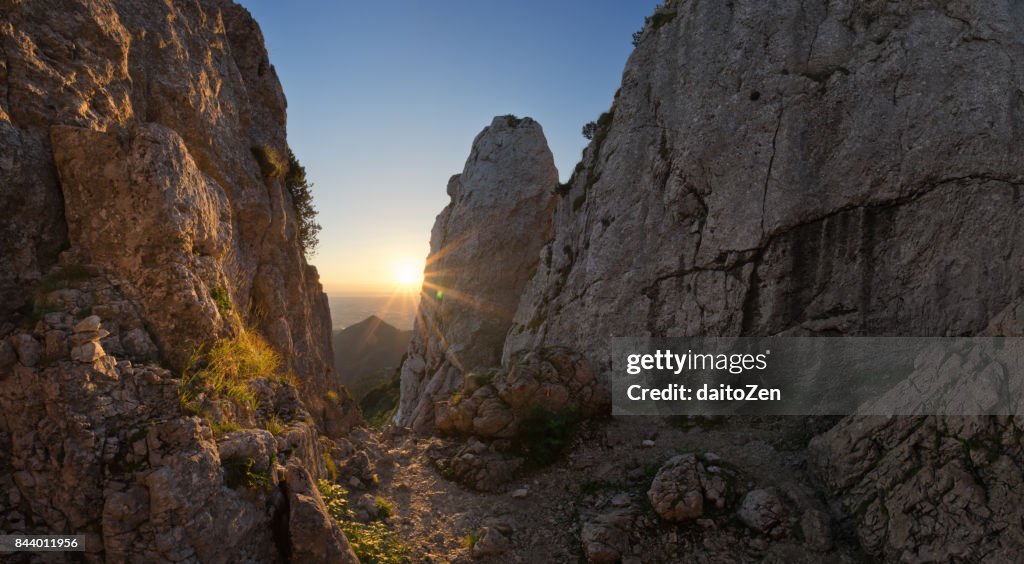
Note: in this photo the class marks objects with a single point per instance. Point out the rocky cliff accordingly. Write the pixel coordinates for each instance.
(147, 223)
(795, 168)
(150, 141)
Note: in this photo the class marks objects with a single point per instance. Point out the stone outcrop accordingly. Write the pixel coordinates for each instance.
(484, 247)
(146, 217)
(928, 488)
(149, 140)
(100, 446)
(315, 537)
(793, 168)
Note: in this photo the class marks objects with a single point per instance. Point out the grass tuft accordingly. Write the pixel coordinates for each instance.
(469, 541)
(332, 469)
(544, 434)
(271, 163)
(223, 374)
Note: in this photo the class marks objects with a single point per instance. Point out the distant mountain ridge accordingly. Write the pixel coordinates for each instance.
(367, 353)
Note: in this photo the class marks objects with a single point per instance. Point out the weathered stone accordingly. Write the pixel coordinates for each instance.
(963, 472)
(132, 196)
(158, 187)
(27, 349)
(490, 542)
(88, 352)
(684, 486)
(817, 530)
(763, 511)
(257, 445)
(481, 468)
(605, 537)
(137, 344)
(8, 354)
(314, 536)
(90, 324)
(475, 277)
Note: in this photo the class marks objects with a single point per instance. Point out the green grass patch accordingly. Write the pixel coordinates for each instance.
(380, 403)
(274, 425)
(469, 541)
(332, 469)
(224, 371)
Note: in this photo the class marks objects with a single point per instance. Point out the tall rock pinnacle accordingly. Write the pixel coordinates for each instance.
(483, 248)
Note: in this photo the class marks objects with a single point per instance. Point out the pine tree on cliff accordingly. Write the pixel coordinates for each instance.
(302, 199)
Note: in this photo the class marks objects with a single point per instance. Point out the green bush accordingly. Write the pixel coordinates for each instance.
(655, 22)
(544, 434)
(380, 403)
(384, 507)
(469, 541)
(589, 129)
(221, 298)
(302, 199)
(372, 542)
(238, 472)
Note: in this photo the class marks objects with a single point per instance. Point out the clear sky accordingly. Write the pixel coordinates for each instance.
(385, 98)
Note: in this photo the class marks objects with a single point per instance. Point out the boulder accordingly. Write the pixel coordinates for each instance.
(314, 535)
(686, 486)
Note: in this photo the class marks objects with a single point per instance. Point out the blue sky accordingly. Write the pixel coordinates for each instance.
(385, 98)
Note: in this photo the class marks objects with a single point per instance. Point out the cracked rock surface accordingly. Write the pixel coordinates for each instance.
(483, 249)
(803, 168)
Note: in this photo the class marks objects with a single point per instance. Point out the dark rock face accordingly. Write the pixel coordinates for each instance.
(834, 168)
(823, 168)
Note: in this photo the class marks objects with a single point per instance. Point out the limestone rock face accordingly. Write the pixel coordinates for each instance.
(964, 473)
(794, 168)
(130, 131)
(142, 158)
(99, 445)
(483, 248)
(834, 168)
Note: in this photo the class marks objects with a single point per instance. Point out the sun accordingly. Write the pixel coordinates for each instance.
(408, 276)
